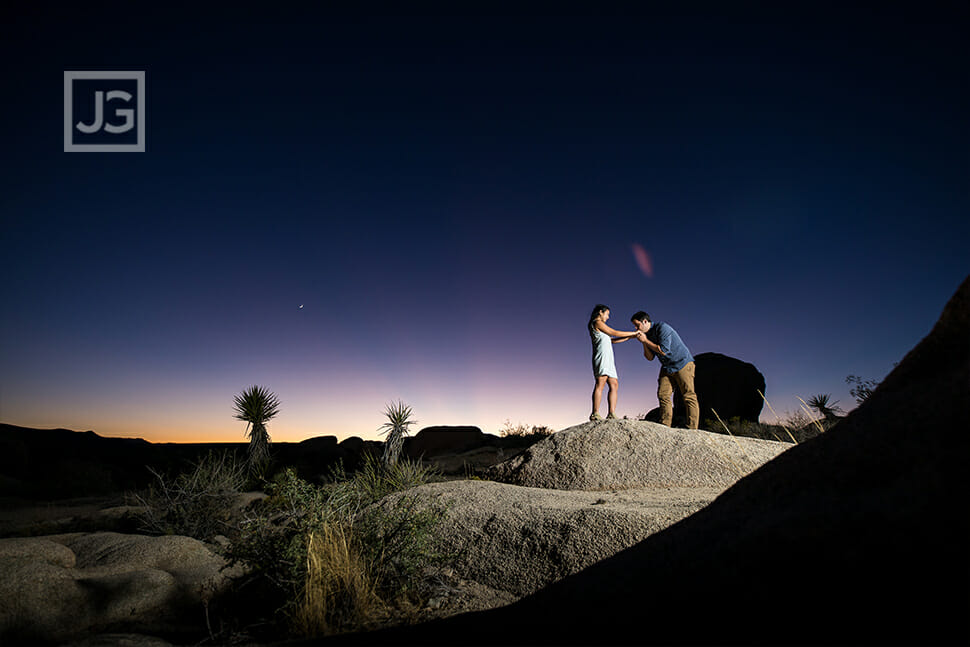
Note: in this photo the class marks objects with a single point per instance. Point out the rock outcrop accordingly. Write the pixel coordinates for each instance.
(519, 539)
(858, 536)
(724, 384)
(61, 587)
(434, 441)
(615, 454)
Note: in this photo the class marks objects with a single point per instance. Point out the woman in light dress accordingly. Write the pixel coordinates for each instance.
(604, 368)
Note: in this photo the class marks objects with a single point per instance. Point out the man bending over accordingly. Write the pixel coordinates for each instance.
(676, 367)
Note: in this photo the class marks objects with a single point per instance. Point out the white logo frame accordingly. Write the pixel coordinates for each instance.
(140, 112)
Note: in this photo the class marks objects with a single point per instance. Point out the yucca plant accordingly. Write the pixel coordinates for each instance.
(396, 428)
(827, 410)
(257, 405)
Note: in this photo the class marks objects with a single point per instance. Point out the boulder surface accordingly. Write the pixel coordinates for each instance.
(519, 539)
(614, 454)
(62, 587)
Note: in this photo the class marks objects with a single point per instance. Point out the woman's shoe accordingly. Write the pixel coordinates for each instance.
(593, 417)
(611, 417)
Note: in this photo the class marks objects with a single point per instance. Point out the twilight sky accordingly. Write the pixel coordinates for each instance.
(448, 196)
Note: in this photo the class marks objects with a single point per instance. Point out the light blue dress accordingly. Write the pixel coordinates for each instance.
(603, 363)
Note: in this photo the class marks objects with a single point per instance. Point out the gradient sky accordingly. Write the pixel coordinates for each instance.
(449, 195)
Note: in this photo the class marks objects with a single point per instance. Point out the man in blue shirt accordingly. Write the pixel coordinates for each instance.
(676, 367)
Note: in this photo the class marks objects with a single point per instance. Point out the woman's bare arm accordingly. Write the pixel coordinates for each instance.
(602, 327)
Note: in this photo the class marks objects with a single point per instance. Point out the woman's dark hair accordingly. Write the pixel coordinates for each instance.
(596, 313)
(640, 316)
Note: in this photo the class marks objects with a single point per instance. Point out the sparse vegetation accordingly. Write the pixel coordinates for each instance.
(257, 406)
(862, 389)
(794, 427)
(337, 557)
(520, 430)
(197, 503)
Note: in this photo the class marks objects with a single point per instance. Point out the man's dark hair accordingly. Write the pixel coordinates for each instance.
(640, 316)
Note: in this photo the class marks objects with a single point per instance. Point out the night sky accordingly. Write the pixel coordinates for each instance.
(448, 196)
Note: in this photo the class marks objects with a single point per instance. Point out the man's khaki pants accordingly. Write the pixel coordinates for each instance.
(683, 380)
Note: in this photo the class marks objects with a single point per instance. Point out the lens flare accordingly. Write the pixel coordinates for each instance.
(642, 258)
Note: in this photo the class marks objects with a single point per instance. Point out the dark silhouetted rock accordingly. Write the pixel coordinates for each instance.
(434, 441)
(319, 444)
(725, 384)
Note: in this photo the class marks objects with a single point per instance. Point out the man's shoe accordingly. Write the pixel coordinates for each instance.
(611, 417)
(593, 417)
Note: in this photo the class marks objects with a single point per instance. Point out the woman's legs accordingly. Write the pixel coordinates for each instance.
(611, 397)
(598, 392)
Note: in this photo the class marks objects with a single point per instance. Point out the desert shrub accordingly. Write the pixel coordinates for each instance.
(338, 556)
(524, 435)
(197, 503)
(861, 389)
(375, 479)
(399, 535)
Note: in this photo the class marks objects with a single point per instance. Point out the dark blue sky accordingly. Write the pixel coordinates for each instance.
(449, 195)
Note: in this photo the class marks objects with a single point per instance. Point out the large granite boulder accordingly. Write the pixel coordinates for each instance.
(858, 536)
(724, 384)
(618, 454)
(62, 587)
(518, 539)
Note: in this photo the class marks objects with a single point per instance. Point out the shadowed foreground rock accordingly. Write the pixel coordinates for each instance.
(633, 454)
(61, 587)
(858, 536)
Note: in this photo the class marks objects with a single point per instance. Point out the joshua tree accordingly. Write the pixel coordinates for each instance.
(257, 405)
(829, 411)
(396, 428)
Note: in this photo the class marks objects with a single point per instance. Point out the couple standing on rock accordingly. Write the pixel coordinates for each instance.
(659, 340)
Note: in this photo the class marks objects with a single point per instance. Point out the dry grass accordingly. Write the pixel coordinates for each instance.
(783, 425)
(340, 592)
(815, 421)
(734, 465)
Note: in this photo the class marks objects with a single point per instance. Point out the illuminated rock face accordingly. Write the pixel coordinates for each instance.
(624, 454)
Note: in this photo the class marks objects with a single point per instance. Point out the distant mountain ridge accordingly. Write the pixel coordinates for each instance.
(61, 463)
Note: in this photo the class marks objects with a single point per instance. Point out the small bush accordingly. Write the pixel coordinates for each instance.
(520, 430)
(198, 503)
(375, 480)
(862, 389)
(338, 556)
